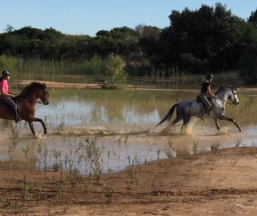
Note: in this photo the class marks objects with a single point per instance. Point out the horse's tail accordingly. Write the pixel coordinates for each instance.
(168, 115)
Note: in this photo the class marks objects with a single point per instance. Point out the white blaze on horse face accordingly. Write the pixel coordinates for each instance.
(236, 100)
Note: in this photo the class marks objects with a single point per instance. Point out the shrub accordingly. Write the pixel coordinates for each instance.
(114, 71)
(110, 69)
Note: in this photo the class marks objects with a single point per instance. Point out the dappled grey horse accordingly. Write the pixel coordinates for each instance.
(188, 108)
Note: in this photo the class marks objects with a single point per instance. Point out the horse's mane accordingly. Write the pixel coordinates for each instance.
(30, 86)
(222, 88)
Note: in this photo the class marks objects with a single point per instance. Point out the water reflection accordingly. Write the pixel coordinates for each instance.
(146, 107)
(73, 112)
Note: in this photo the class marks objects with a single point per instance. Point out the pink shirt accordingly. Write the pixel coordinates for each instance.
(4, 84)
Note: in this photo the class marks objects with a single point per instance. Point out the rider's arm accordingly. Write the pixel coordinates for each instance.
(11, 93)
(209, 91)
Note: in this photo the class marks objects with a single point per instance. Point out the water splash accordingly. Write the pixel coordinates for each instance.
(101, 131)
(40, 135)
(188, 130)
(223, 132)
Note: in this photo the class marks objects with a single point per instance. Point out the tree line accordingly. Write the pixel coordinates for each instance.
(210, 38)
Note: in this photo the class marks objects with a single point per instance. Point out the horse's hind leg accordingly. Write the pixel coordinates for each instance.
(217, 124)
(175, 121)
(186, 120)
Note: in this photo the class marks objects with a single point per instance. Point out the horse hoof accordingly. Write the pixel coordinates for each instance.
(45, 132)
(240, 129)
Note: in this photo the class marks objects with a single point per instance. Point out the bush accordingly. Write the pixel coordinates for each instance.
(114, 71)
(110, 69)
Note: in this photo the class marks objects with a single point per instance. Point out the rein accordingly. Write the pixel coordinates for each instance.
(227, 102)
(32, 101)
(21, 99)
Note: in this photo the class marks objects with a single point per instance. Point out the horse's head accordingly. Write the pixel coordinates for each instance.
(43, 94)
(34, 91)
(228, 93)
(233, 96)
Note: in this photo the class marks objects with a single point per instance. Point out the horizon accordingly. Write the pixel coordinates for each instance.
(84, 17)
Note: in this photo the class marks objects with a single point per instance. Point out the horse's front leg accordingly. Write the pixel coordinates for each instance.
(42, 122)
(230, 120)
(31, 125)
(217, 123)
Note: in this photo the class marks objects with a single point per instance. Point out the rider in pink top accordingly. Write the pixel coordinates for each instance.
(6, 95)
(4, 87)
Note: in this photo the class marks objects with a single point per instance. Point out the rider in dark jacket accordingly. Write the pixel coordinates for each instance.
(206, 92)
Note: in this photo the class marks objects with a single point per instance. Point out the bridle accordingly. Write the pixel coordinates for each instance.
(234, 94)
(46, 96)
(231, 102)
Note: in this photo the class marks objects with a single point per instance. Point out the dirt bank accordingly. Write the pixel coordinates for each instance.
(63, 85)
(214, 184)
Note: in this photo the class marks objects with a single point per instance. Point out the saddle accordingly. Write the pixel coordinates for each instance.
(10, 109)
(198, 100)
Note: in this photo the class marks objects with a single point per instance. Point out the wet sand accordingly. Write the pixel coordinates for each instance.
(212, 184)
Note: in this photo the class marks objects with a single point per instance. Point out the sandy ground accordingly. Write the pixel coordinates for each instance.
(63, 85)
(213, 184)
(57, 85)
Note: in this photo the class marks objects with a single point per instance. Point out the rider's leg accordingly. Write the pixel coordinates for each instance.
(207, 103)
(9, 101)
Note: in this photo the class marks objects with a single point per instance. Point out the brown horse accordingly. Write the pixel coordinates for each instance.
(27, 100)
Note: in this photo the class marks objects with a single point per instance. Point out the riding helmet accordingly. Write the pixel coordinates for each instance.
(6, 73)
(209, 76)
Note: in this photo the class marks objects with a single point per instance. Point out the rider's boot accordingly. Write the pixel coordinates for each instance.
(17, 118)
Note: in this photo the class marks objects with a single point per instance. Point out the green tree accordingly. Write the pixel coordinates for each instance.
(140, 29)
(248, 65)
(96, 64)
(9, 28)
(253, 18)
(103, 33)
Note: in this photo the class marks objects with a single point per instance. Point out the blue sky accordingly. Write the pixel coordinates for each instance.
(90, 16)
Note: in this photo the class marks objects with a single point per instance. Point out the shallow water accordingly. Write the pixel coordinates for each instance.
(123, 128)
